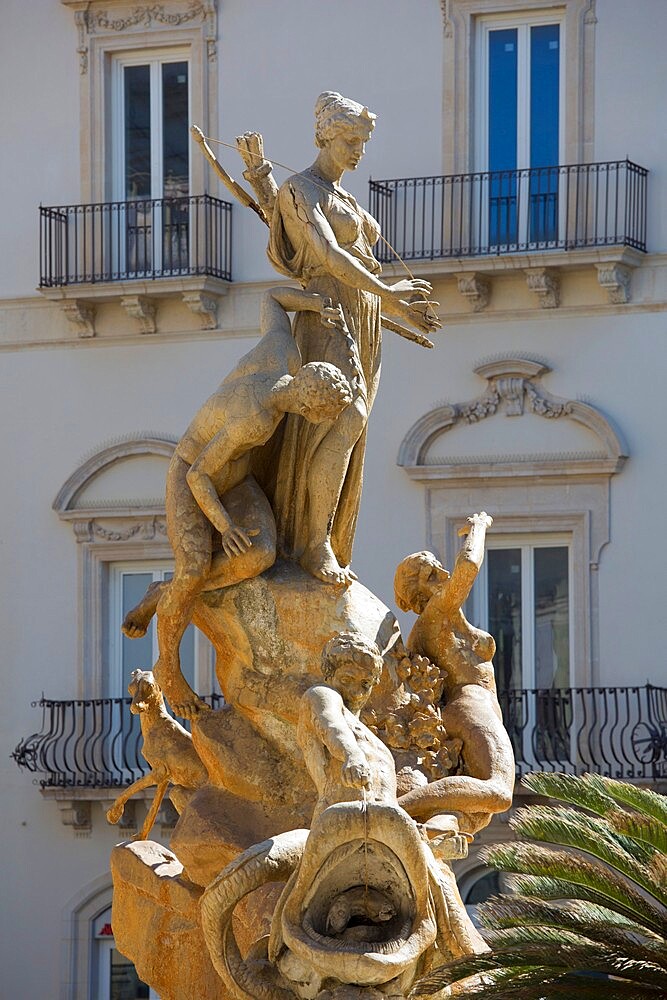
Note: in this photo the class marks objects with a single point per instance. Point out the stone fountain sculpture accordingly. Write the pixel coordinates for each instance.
(347, 769)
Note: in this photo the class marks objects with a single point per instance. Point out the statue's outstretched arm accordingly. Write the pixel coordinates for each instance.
(469, 560)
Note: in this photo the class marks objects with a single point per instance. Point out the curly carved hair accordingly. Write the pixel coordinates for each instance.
(335, 114)
(322, 387)
(406, 580)
(346, 647)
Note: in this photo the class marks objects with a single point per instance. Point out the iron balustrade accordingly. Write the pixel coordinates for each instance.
(616, 731)
(144, 238)
(87, 743)
(512, 211)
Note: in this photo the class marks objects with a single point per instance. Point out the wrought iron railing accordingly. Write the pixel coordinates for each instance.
(144, 238)
(87, 743)
(616, 731)
(512, 211)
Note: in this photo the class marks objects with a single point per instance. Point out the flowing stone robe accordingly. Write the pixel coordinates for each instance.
(303, 207)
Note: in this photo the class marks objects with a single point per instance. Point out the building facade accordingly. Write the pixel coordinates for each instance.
(518, 163)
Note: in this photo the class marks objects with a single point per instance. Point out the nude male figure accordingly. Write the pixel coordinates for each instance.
(210, 485)
(344, 758)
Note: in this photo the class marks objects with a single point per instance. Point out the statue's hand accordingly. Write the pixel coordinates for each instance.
(356, 772)
(251, 147)
(483, 520)
(404, 288)
(235, 541)
(332, 315)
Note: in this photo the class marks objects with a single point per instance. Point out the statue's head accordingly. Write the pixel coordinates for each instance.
(145, 691)
(352, 666)
(417, 579)
(342, 126)
(320, 391)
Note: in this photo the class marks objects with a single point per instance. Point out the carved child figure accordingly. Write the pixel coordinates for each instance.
(344, 758)
(471, 712)
(210, 485)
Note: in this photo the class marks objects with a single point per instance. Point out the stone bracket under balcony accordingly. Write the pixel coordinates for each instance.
(141, 301)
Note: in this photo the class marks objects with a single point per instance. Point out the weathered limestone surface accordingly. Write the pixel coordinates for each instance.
(156, 922)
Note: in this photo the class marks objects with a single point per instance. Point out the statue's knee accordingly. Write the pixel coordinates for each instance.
(262, 554)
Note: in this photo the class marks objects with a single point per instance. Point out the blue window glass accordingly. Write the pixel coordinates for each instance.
(544, 116)
(503, 118)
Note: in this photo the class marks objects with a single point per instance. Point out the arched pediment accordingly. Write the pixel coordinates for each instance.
(127, 475)
(560, 436)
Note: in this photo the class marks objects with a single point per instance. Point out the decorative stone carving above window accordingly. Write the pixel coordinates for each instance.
(100, 17)
(114, 501)
(513, 388)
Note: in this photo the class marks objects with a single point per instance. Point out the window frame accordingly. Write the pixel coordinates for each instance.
(527, 543)
(461, 19)
(523, 22)
(107, 29)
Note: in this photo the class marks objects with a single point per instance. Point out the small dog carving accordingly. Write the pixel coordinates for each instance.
(168, 750)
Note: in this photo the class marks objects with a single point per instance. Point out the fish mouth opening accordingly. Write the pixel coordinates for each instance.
(363, 902)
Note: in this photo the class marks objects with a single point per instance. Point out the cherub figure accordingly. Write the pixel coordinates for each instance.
(210, 486)
(346, 761)
(471, 712)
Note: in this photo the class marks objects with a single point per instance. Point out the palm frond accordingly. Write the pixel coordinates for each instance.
(547, 888)
(597, 923)
(643, 800)
(556, 946)
(569, 828)
(494, 983)
(639, 827)
(572, 788)
(608, 886)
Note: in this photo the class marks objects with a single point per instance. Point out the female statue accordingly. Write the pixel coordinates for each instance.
(321, 237)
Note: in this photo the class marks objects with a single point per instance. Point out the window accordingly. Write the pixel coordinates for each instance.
(543, 466)
(522, 597)
(518, 127)
(151, 167)
(115, 977)
(128, 582)
(488, 29)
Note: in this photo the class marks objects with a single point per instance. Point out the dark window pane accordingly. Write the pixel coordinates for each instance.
(503, 136)
(504, 583)
(552, 618)
(125, 983)
(137, 132)
(175, 136)
(502, 99)
(136, 653)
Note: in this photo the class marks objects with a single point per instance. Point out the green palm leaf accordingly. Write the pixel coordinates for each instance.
(609, 887)
(643, 800)
(570, 788)
(547, 888)
(569, 828)
(597, 923)
(644, 828)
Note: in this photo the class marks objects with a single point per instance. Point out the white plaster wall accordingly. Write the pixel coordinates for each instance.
(630, 71)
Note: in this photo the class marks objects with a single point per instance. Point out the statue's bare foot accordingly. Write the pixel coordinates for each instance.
(182, 699)
(136, 621)
(320, 561)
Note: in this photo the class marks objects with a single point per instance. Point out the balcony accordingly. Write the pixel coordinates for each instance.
(538, 219)
(136, 251)
(615, 731)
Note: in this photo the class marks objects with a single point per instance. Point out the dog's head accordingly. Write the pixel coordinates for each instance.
(145, 691)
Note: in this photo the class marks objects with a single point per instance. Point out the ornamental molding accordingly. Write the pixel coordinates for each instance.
(108, 17)
(513, 388)
(141, 308)
(545, 283)
(476, 288)
(65, 503)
